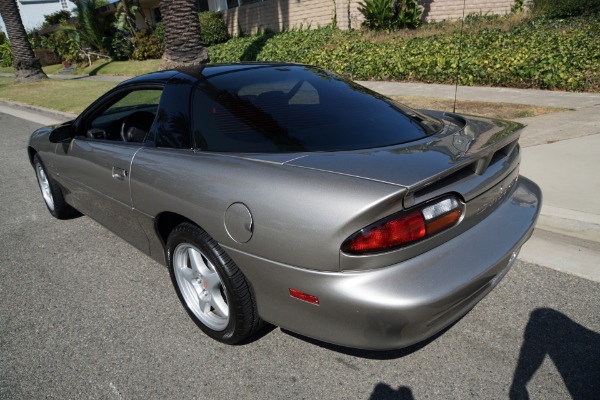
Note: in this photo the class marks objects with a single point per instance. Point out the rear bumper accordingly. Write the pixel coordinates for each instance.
(402, 304)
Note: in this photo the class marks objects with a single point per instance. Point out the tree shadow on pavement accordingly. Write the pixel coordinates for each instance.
(574, 350)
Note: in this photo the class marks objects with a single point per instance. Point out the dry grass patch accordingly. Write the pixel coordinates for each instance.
(485, 109)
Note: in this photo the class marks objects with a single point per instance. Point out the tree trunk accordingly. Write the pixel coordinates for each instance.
(184, 46)
(143, 14)
(27, 67)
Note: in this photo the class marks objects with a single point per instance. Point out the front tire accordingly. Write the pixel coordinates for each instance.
(210, 286)
(51, 192)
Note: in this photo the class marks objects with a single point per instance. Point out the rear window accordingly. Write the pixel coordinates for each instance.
(274, 109)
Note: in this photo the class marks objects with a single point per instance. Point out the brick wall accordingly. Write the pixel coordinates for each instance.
(453, 9)
(279, 15)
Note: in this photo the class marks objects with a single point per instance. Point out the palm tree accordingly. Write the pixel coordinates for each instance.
(27, 67)
(184, 46)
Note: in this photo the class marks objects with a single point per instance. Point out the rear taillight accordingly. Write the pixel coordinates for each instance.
(406, 227)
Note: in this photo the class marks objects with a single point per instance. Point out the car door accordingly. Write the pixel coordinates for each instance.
(96, 164)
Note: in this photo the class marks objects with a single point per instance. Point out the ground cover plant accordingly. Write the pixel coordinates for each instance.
(543, 53)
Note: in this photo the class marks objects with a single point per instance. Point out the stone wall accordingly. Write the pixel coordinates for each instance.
(279, 15)
(453, 9)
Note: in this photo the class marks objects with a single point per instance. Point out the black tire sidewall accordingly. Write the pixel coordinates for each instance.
(57, 198)
(188, 233)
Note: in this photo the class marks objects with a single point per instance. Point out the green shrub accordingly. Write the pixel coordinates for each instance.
(119, 46)
(391, 14)
(57, 17)
(159, 31)
(564, 8)
(147, 46)
(408, 14)
(539, 53)
(6, 57)
(379, 14)
(213, 28)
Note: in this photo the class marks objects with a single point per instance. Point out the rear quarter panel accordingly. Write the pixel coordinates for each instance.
(300, 216)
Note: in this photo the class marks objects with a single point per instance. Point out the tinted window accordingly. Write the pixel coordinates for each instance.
(172, 121)
(129, 118)
(297, 108)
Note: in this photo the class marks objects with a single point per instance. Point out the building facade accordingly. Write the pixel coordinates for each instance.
(250, 16)
(33, 11)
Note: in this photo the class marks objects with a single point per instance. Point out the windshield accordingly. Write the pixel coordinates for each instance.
(274, 109)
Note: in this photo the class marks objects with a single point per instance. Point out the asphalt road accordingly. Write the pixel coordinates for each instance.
(85, 315)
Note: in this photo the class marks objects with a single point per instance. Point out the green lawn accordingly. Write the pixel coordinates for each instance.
(119, 68)
(102, 67)
(71, 96)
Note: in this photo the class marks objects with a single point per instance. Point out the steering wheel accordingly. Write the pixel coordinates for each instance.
(136, 126)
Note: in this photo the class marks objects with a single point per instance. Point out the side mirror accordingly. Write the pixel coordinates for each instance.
(62, 133)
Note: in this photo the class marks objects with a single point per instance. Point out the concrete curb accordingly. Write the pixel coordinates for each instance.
(59, 116)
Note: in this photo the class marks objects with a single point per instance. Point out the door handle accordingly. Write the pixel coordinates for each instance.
(119, 173)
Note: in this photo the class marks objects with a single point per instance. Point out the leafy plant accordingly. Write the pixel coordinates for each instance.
(390, 14)
(408, 14)
(212, 28)
(517, 7)
(119, 46)
(125, 17)
(147, 46)
(379, 14)
(6, 57)
(57, 17)
(564, 8)
(89, 30)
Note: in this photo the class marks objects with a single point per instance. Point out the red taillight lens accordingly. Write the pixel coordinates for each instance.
(390, 234)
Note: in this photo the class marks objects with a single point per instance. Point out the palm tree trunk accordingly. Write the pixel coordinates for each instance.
(184, 46)
(27, 67)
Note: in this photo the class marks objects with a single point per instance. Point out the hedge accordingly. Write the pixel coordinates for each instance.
(540, 53)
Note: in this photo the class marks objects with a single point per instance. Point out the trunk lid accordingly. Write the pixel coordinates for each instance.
(463, 151)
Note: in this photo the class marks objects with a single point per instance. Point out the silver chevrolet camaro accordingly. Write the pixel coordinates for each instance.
(284, 193)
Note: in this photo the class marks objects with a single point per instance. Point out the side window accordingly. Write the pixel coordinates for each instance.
(263, 117)
(128, 119)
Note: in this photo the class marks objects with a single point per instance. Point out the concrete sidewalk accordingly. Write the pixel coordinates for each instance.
(559, 153)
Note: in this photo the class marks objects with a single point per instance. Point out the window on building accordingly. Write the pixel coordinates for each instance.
(203, 5)
(64, 5)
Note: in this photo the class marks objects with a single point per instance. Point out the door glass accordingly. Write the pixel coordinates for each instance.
(129, 119)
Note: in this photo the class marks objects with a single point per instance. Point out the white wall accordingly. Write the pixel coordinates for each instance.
(33, 14)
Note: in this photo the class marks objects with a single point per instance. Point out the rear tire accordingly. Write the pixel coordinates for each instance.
(51, 192)
(210, 286)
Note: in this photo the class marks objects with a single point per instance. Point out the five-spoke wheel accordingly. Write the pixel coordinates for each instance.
(51, 191)
(211, 287)
(201, 286)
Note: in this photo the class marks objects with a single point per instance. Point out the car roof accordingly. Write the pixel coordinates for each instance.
(200, 72)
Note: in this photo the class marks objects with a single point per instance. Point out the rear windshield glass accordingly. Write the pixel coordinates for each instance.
(274, 109)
